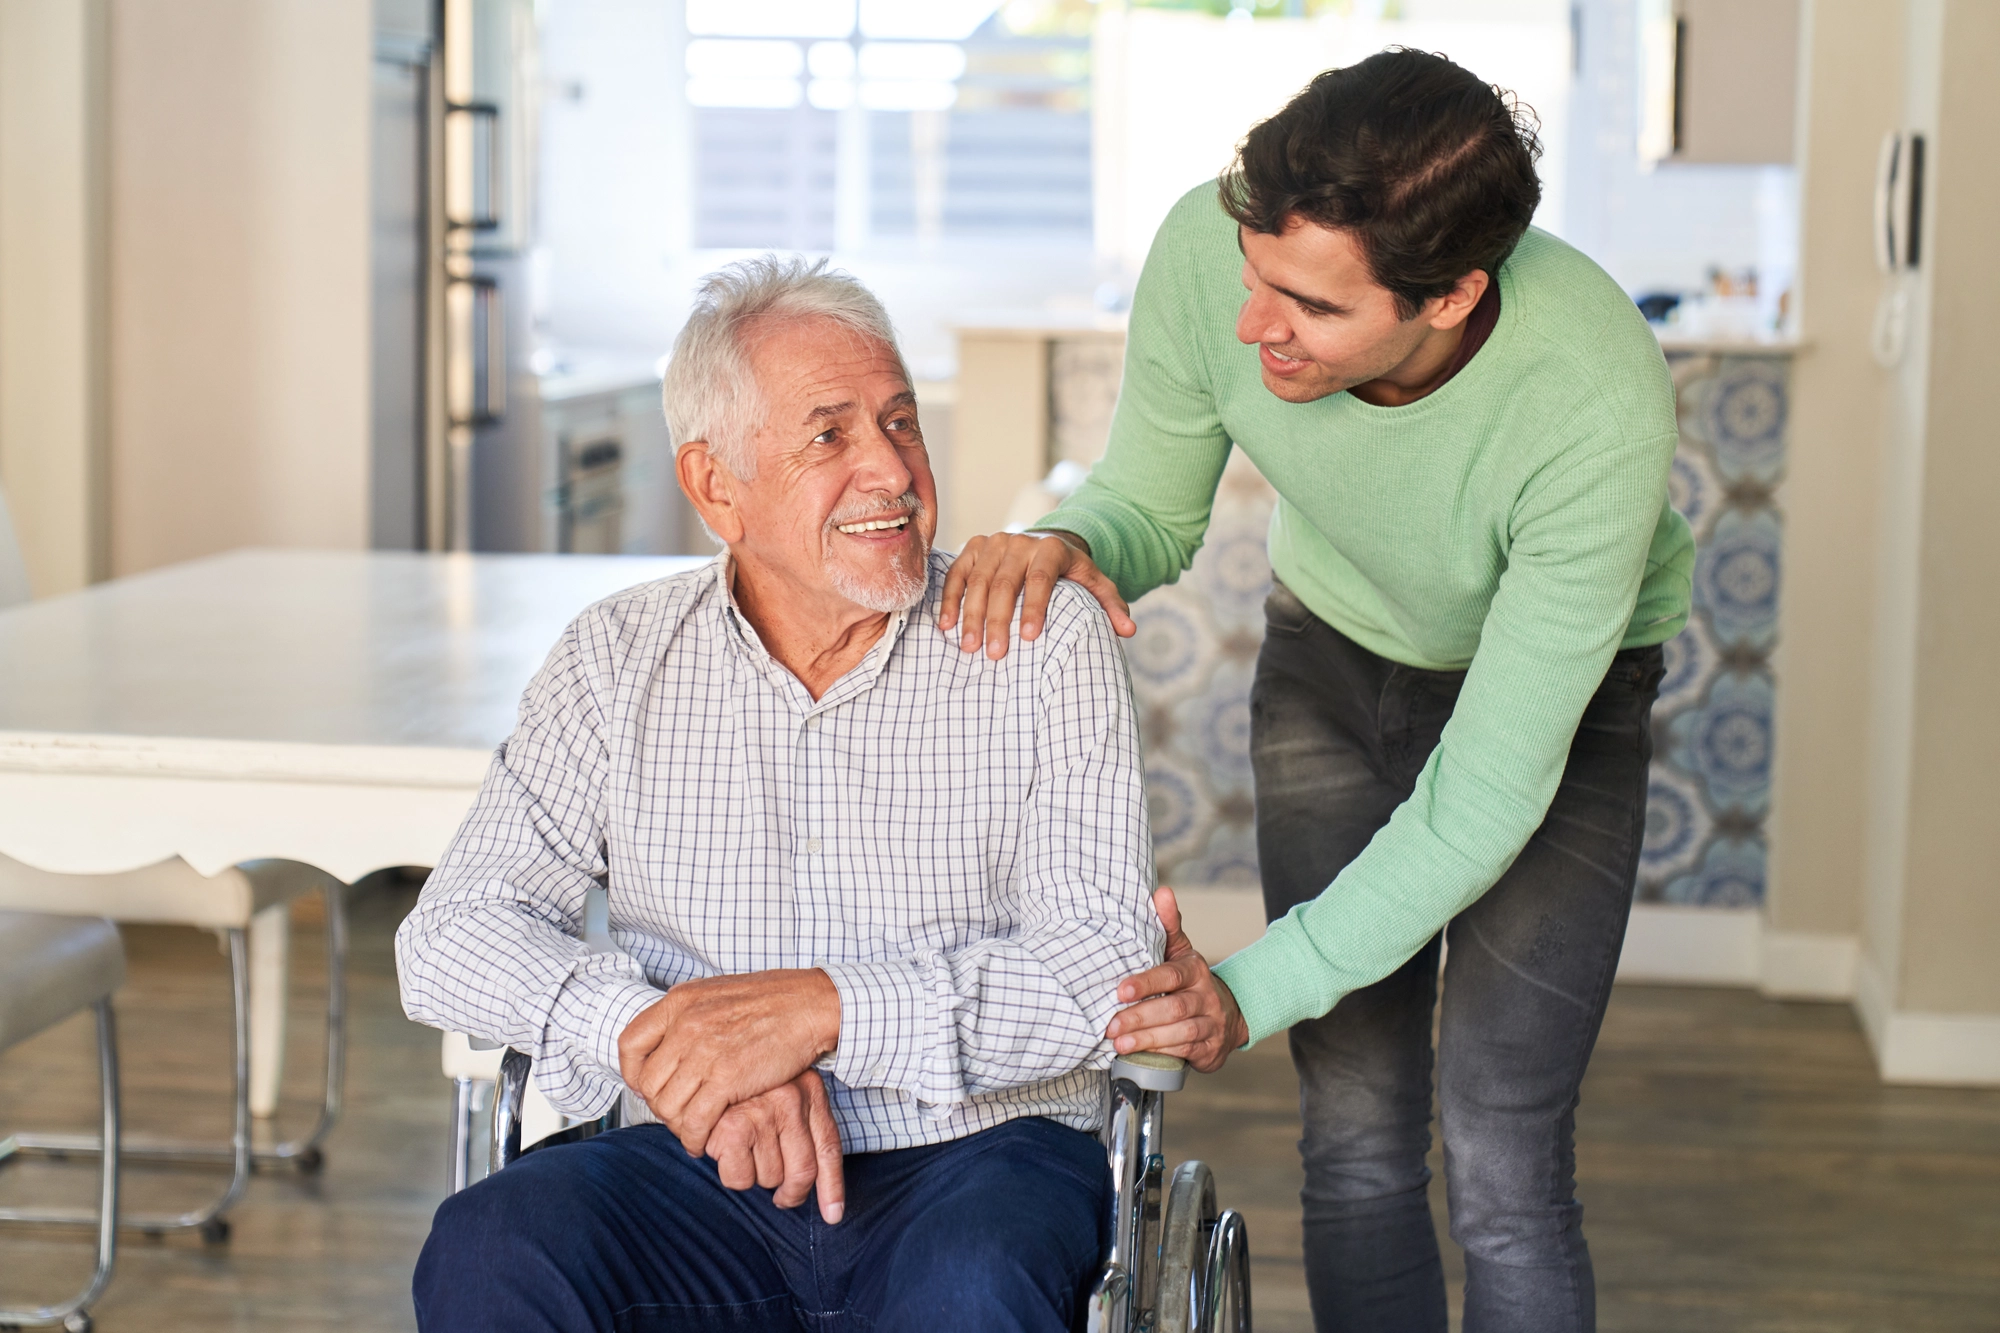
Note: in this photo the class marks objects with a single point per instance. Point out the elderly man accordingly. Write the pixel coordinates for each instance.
(870, 895)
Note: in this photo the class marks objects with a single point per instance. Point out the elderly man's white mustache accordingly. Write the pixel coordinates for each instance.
(904, 508)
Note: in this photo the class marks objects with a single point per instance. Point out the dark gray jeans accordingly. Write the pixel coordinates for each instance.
(1338, 737)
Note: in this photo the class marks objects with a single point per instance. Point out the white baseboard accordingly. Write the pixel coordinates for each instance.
(1939, 1050)
(1802, 966)
(1693, 946)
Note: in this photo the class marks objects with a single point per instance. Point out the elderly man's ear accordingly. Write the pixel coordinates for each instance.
(711, 489)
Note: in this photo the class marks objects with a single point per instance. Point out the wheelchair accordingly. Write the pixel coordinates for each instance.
(1177, 1263)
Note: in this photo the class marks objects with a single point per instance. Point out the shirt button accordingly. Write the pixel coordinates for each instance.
(812, 723)
(812, 846)
(878, 1071)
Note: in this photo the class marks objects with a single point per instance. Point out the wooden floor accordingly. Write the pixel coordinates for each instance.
(1741, 1167)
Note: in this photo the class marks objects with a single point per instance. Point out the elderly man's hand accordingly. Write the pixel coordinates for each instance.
(1183, 1008)
(709, 1044)
(786, 1141)
(991, 572)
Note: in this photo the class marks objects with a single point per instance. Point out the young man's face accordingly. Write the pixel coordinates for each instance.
(1320, 321)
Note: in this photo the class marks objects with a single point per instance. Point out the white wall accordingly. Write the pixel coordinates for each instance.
(239, 276)
(1884, 838)
(1840, 404)
(52, 271)
(1658, 229)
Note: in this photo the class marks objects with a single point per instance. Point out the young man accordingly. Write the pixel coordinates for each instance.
(872, 898)
(1469, 428)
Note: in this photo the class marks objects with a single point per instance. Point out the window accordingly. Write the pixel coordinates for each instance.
(824, 124)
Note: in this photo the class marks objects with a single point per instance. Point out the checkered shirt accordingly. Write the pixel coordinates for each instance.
(960, 843)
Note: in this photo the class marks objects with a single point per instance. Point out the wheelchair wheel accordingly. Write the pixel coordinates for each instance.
(1226, 1296)
(1191, 1215)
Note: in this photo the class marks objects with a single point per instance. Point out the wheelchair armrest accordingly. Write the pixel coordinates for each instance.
(508, 1095)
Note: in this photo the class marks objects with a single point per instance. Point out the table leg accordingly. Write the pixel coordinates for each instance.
(270, 957)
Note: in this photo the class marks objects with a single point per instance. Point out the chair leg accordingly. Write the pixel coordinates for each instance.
(74, 1314)
(209, 1219)
(109, 1167)
(305, 1152)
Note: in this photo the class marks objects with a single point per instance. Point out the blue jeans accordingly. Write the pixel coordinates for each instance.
(1338, 738)
(625, 1231)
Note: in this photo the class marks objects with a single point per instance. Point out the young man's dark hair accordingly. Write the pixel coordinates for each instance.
(1432, 171)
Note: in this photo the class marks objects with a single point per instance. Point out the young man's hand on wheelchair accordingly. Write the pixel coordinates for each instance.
(1180, 1007)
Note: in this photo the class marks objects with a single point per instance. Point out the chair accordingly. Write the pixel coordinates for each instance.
(51, 967)
(249, 901)
(1181, 1268)
(252, 898)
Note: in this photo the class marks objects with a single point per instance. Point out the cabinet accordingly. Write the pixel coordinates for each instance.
(1033, 391)
(1719, 80)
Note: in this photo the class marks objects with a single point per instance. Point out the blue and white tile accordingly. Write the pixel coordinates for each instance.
(1678, 826)
(1736, 578)
(1212, 729)
(1233, 574)
(1744, 411)
(1727, 742)
(1174, 808)
(1228, 859)
(1172, 649)
(1691, 661)
(1731, 875)
(1694, 489)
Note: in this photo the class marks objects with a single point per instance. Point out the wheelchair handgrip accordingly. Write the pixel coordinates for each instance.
(1151, 1071)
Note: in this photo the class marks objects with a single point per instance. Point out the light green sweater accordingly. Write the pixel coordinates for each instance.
(1514, 523)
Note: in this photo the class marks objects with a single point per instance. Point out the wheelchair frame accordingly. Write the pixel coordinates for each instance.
(1176, 1264)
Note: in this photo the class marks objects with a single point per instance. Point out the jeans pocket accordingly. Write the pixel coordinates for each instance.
(1284, 613)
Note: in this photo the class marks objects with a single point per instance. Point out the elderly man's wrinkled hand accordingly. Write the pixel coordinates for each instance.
(1180, 1007)
(709, 1044)
(991, 573)
(786, 1141)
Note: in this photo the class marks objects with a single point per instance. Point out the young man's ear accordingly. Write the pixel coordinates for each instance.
(1455, 306)
(711, 489)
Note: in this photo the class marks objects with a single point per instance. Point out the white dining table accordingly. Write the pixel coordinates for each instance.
(335, 708)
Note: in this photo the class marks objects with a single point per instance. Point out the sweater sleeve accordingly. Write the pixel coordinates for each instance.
(1145, 505)
(1580, 535)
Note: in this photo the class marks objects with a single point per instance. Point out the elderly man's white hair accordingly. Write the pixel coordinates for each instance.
(710, 392)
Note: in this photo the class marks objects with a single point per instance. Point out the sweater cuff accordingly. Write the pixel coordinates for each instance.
(1105, 546)
(1273, 981)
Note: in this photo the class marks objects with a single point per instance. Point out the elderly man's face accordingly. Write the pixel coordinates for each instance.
(843, 501)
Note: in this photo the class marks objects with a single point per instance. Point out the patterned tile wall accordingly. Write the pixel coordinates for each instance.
(1712, 746)
(1191, 665)
(1710, 788)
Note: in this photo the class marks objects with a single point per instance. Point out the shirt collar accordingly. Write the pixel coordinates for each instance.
(748, 647)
